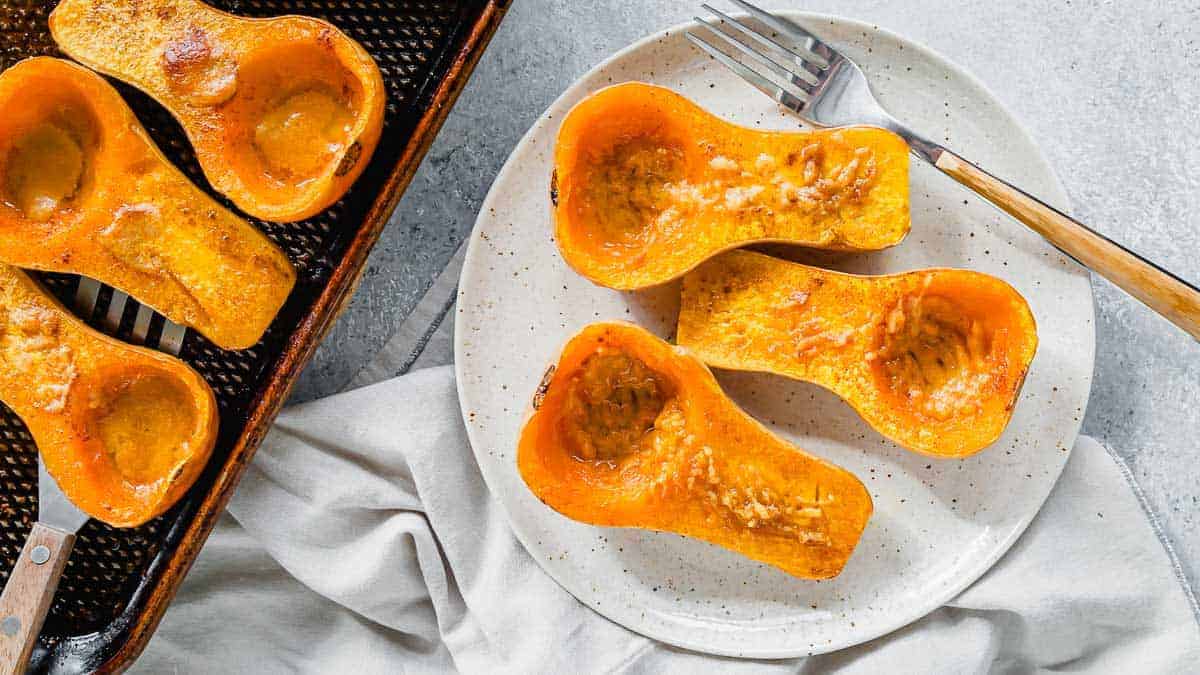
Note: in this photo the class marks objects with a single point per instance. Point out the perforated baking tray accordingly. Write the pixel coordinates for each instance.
(119, 582)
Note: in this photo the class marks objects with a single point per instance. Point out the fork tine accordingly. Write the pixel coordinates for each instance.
(804, 84)
(780, 69)
(116, 310)
(809, 62)
(171, 339)
(797, 33)
(87, 294)
(141, 324)
(764, 84)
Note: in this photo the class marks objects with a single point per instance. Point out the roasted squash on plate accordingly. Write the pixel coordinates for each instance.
(83, 189)
(284, 113)
(932, 359)
(647, 185)
(628, 431)
(124, 430)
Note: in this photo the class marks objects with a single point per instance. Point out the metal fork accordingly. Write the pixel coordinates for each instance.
(812, 79)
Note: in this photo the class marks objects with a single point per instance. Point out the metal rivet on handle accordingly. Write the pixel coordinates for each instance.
(10, 625)
(40, 554)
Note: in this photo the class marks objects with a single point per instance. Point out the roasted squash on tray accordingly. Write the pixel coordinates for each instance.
(932, 359)
(124, 430)
(284, 113)
(83, 189)
(628, 431)
(647, 185)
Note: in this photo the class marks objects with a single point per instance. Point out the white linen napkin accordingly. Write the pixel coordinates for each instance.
(365, 542)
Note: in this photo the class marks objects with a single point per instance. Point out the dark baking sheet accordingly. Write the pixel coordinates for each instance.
(118, 582)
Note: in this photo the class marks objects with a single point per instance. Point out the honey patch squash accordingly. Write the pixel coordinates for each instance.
(933, 359)
(284, 112)
(628, 431)
(84, 190)
(124, 430)
(646, 185)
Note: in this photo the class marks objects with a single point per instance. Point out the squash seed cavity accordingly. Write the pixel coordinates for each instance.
(145, 425)
(934, 355)
(43, 171)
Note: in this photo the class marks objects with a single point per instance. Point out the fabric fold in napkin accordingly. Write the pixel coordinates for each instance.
(365, 541)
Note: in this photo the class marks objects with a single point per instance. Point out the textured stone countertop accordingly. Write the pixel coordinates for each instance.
(1109, 89)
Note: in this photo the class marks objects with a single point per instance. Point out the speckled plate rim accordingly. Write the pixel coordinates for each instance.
(631, 620)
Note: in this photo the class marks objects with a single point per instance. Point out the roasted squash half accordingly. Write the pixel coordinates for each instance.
(284, 113)
(83, 189)
(932, 359)
(124, 430)
(647, 185)
(628, 431)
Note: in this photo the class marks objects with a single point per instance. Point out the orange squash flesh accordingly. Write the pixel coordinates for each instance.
(628, 431)
(647, 185)
(84, 190)
(284, 112)
(932, 359)
(124, 430)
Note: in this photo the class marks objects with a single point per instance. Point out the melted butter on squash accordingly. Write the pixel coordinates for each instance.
(30, 343)
(44, 170)
(300, 135)
(934, 355)
(144, 425)
(640, 193)
(620, 412)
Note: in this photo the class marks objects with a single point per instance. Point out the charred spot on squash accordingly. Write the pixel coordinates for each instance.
(539, 395)
(349, 159)
(934, 355)
(199, 69)
(554, 187)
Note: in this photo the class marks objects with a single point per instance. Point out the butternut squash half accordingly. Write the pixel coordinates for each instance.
(933, 359)
(124, 430)
(83, 189)
(647, 185)
(628, 431)
(284, 113)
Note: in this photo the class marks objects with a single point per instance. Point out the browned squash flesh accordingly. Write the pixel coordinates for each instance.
(284, 113)
(124, 430)
(628, 431)
(932, 359)
(647, 185)
(83, 189)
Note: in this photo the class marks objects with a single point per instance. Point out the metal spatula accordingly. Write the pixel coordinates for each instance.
(33, 580)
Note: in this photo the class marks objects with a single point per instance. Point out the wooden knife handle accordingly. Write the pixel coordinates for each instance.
(27, 595)
(1165, 293)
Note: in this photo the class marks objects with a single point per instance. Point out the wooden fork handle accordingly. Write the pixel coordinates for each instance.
(28, 592)
(1165, 293)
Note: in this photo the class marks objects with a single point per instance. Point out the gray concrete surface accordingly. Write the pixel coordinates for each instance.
(1108, 88)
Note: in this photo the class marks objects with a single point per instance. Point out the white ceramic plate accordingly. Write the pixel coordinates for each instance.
(937, 526)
